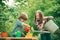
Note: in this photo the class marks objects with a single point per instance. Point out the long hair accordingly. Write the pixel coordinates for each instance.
(40, 15)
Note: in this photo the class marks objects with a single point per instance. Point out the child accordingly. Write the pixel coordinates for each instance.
(20, 23)
(39, 22)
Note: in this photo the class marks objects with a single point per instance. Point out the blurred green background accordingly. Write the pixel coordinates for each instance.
(11, 9)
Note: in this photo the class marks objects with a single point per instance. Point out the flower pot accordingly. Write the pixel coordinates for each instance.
(4, 34)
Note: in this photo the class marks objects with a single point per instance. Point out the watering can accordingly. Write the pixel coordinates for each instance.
(18, 34)
(51, 26)
(29, 35)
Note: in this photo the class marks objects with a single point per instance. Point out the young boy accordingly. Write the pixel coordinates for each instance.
(20, 23)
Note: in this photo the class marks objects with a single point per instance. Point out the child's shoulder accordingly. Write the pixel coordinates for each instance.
(18, 21)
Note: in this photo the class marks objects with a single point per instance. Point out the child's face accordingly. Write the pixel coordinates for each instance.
(37, 16)
(22, 20)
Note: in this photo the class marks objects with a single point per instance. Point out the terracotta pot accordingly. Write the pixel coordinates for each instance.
(4, 34)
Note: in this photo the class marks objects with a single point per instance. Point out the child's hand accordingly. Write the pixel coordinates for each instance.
(40, 28)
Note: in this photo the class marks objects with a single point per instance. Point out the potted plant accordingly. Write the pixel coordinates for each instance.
(4, 33)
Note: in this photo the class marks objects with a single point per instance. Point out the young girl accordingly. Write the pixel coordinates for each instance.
(39, 22)
(20, 23)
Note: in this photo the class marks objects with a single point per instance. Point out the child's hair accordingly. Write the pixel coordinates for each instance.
(40, 15)
(23, 15)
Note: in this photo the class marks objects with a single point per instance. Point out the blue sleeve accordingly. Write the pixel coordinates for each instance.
(19, 23)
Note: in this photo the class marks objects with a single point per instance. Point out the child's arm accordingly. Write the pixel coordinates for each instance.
(48, 18)
(24, 24)
(42, 25)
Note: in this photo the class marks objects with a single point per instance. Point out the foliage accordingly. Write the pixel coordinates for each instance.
(8, 16)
